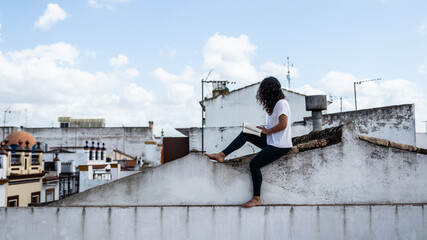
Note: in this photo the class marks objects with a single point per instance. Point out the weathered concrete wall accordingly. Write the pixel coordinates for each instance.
(241, 106)
(394, 123)
(215, 222)
(422, 140)
(351, 172)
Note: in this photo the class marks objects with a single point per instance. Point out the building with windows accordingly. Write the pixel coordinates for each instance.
(21, 170)
(68, 122)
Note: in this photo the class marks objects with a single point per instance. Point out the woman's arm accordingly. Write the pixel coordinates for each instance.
(283, 122)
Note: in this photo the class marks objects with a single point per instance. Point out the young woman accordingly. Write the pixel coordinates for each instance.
(275, 140)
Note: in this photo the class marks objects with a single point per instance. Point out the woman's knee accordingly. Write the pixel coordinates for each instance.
(253, 165)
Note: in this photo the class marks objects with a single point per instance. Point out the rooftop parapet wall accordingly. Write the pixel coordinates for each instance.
(216, 222)
(351, 171)
(395, 123)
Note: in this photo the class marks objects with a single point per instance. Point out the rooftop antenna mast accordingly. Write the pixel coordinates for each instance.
(288, 75)
(358, 83)
(203, 109)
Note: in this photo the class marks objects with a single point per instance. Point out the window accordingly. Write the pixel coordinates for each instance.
(90, 155)
(50, 166)
(65, 125)
(102, 155)
(15, 160)
(35, 197)
(35, 160)
(50, 195)
(96, 155)
(13, 201)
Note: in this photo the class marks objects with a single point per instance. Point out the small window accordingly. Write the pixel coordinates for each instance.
(65, 125)
(50, 195)
(50, 166)
(96, 155)
(15, 160)
(35, 160)
(13, 201)
(90, 155)
(35, 197)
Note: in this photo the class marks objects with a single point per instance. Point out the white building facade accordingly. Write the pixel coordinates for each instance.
(240, 105)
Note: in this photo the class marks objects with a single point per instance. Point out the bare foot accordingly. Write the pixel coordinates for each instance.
(255, 201)
(216, 156)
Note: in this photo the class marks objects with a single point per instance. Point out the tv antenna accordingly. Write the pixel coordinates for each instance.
(340, 97)
(359, 83)
(288, 75)
(203, 109)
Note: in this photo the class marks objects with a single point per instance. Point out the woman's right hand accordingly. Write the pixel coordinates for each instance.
(263, 129)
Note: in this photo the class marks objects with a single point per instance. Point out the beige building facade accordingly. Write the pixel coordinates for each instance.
(20, 170)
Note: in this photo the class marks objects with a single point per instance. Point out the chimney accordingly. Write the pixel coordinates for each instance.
(219, 88)
(316, 103)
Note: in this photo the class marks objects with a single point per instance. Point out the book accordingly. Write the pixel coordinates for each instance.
(251, 129)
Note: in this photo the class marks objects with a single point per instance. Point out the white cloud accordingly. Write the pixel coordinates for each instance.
(119, 61)
(52, 14)
(180, 89)
(309, 90)
(59, 53)
(105, 3)
(230, 58)
(188, 75)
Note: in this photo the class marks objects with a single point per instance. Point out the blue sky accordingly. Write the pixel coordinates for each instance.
(133, 61)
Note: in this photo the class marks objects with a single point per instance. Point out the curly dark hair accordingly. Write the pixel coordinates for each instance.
(269, 92)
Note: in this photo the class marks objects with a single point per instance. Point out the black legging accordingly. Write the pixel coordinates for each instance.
(267, 155)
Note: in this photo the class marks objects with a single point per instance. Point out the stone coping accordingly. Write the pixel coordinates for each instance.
(390, 144)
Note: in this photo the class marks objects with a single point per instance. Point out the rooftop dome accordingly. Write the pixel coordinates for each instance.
(23, 136)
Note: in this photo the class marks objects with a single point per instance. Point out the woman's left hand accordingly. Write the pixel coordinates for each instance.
(263, 129)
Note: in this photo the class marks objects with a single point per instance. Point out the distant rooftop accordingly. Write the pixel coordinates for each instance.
(68, 122)
(250, 85)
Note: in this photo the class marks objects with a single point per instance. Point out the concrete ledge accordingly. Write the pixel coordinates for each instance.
(216, 222)
(387, 143)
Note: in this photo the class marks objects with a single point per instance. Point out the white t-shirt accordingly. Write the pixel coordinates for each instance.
(281, 139)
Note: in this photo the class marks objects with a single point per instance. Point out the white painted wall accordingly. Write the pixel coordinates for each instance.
(86, 180)
(241, 106)
(86, 184)
(128, 173)
(3, 195)
(3, 164)
(422, 140)
(153, 154)
(78, 157)
(216, 222)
